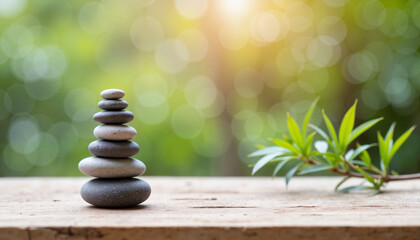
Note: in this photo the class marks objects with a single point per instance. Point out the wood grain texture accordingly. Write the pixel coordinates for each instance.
(210, 208)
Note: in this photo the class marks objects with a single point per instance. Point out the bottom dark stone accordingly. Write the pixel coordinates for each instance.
(115, 193)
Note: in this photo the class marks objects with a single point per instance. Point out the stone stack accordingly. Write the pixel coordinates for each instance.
(112, 165)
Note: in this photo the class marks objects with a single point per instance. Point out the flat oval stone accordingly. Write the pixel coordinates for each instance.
(124, 149)
(112, 104)
(111, 167)
(115, 132)
(112, 94)
(115, 193)
(113, 117)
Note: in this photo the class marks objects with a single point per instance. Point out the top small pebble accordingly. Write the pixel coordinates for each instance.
(112, 94)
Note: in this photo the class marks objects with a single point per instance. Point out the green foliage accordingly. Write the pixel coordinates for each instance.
(387, 148)
(333, 153)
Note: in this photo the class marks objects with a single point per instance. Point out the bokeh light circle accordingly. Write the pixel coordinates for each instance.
(300, 15)
(93, 18)
(66, 137)
(15, 161)
(187, 122)
(80, 104)
(11, 8)
(152, 114)
(17, 41)
(195, 42)
(212, 142)
(332, 27)
(153, 82)
(233, 36)
(171, 56)
(20, 132)
(46, 151)
(362, 66)
(200, 92)
(248, 82)
(191, 9)
(146, 33)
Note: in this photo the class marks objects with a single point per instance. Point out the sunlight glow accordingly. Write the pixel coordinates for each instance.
(235, 7)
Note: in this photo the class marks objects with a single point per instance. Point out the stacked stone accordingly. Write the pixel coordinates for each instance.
(112, 165)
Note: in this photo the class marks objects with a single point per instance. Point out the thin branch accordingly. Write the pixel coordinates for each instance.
(385, 179)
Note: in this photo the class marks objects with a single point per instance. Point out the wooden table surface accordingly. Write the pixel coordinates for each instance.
(211, 208)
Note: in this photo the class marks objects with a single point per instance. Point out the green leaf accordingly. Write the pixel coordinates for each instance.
(365, 157)
(341, 182)
(333, 134)
(373, 193)
(360, 163)
(291, 173)
(388, 142)
(268, 150)
(334, 158)
(361, 129)
(347, 126)
(285, 145)
(401, 141)
(308, 143)
(280, 165)
(321, 132)
(259, 146)
(315, 168)
(358, 151)
(354, 188)
(294, 131)
(382, 151)
(389, 135)
(308, 117)
(366, 175)
(263, 161)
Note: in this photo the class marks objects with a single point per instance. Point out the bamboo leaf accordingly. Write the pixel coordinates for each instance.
(268, 150)
(354, 188)
(308, 142)
(291, 173)
(285, 145)
(333, 157)
(365, 157)
(390, 134)
(332, 132)
(401, 141)
(347, 126)
(382, 151)
(280, 165)
(358, 151)
(294, 131)
(315, 168)
(341, 182)
(263, 161)
(349, 154)
(321, 132)
(362, 128)
(373, 193)
(361, 163)
(388, 144)
(308, 117)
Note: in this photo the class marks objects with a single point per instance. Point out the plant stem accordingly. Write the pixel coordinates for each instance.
(385, 178)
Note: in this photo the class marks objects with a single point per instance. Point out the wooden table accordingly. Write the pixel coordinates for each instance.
(210, 208)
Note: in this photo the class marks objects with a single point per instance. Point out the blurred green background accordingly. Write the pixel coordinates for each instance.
(207, 80)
